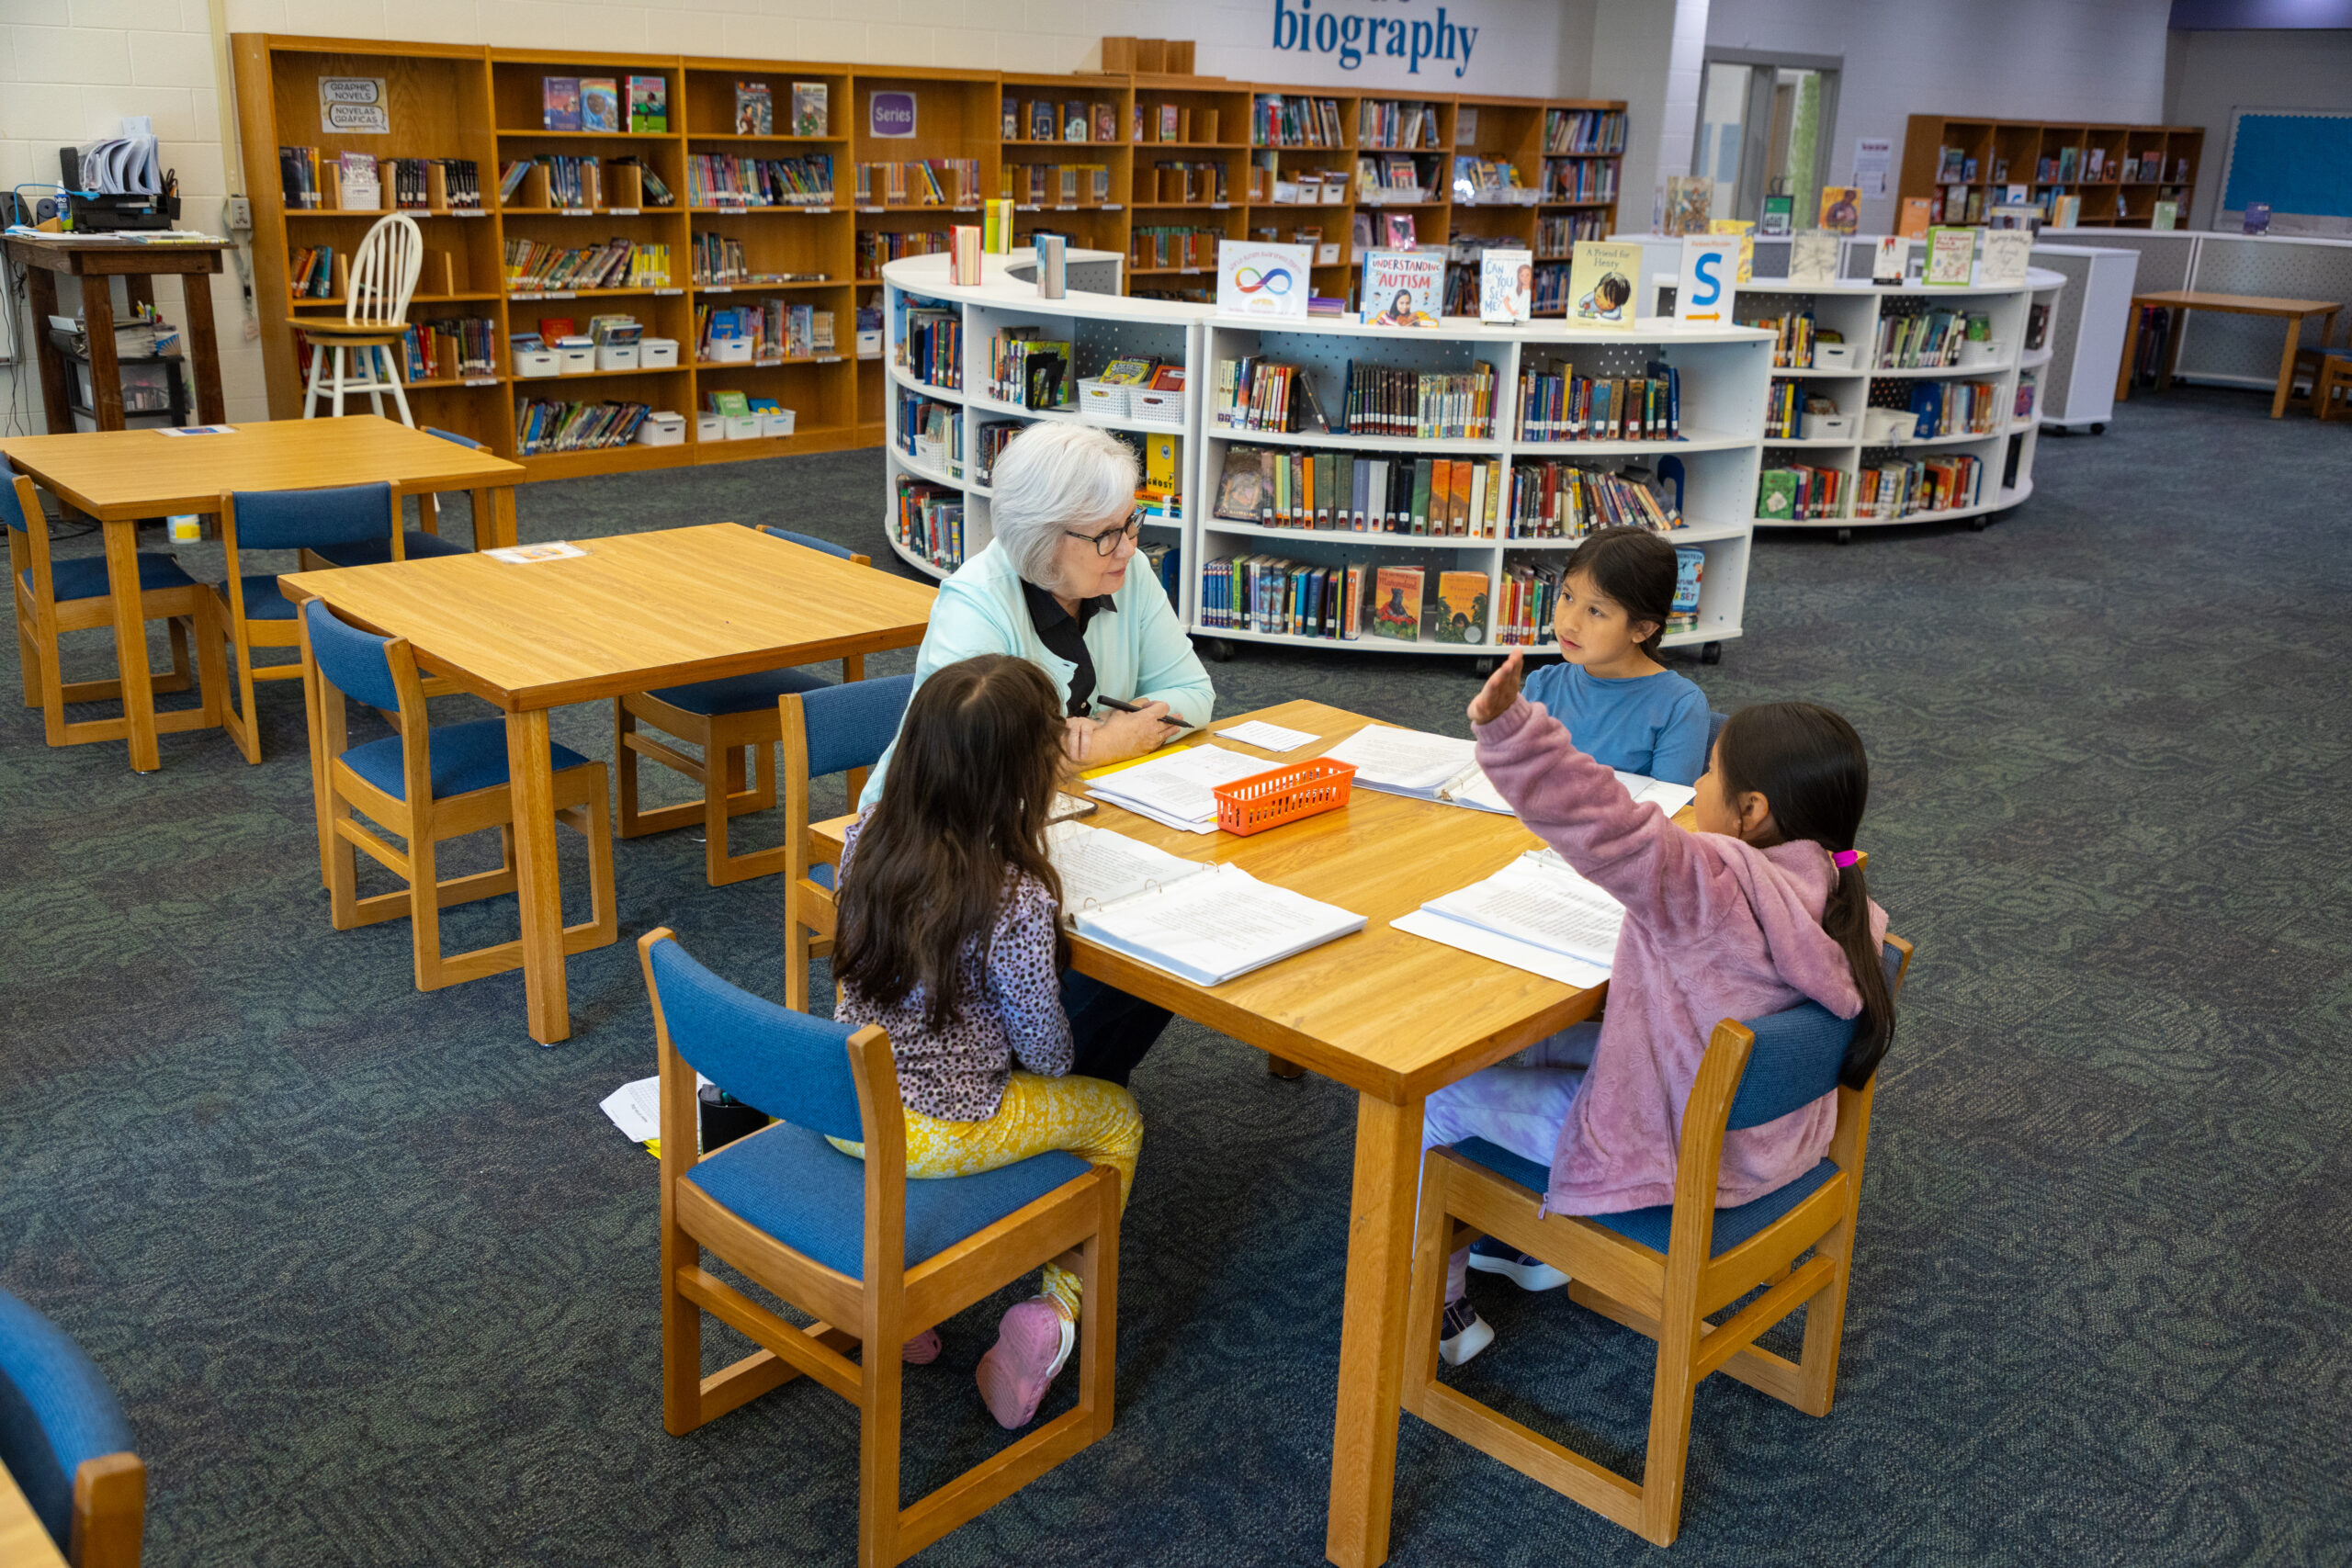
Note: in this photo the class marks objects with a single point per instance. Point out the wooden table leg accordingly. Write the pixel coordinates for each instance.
(203, 349)
(131, 641)
(494, 518)
(2178, 328)
(1372, 1330)
(42, 284)
(106, 371)
(536, 886)
(2131, 354)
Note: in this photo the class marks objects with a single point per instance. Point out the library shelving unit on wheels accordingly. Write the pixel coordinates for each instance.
(1900, 404)
(1415, 489)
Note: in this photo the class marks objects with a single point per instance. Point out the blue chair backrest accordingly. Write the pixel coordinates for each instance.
(850, 725)
(305, 519)
(810, 540)
(1715, 722)
(354, 661)
(12, 510)
(791, 1065)
(55, 1412)
(1796, 1058)
(453, 436)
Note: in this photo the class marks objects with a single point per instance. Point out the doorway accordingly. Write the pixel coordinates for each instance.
(1765, 127)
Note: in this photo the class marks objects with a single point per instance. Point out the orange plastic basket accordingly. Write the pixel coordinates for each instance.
(1286, 795)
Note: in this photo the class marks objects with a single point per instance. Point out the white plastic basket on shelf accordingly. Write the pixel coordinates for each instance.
(1159, 405)
(1103, 399)
(1833, 357)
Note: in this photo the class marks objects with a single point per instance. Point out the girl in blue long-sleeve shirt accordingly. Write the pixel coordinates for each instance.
(1624, 708)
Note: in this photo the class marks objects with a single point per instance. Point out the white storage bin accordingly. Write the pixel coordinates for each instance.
(1158, 406)
(533, 363)
(1829, 427)
(617, 356)
(1881, 425)
(710, 427)
(779, 421)
(657, 354)
(1833, 357)
(576, 356)
(1106, 400)
(869, 343)
(743, 427)
(1975, 355)
(661, 429)
(731, 350)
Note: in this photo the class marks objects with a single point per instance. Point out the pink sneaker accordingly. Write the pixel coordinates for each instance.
(1032, 1343)
(921, 1350)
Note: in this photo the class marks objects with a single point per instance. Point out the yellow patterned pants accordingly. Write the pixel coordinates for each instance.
(1092, 1118)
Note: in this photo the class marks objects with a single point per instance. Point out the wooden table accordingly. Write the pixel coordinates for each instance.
(1392, 1016)
(2182, 300)
(120, 477)
(24, 1539)
(98, 260)
(640, 611)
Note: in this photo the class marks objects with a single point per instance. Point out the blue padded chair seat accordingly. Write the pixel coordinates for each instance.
(465, 757)
(264, 600)
(821, 872)
(420, 545)
(55, 1412)
(84, 577)
(1653, 1227)
(789, 1182)
(739, 694)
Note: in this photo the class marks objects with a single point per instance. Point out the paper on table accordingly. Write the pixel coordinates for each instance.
(1388, 758)
(1668, 797)
(1211, 928)
(1543, 902)
(1266, 736)
(1519, 954)
(1099, 867)
(1175, 788)
(522, 555)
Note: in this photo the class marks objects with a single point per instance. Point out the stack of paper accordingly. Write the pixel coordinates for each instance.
(1438, 767)
(1535, 914)
(1099, 867)
(1175, 787)
(1215, 924)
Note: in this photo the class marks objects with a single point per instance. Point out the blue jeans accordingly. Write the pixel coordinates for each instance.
(1110, 1031)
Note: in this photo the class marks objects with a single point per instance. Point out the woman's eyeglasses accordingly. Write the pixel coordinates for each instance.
(1108, 540)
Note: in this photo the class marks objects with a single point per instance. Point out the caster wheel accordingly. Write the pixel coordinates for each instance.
(1482, 667)
(1979, 524)
(2099, 430)
(1216, 651)
(1845, 535)
(1711, 653)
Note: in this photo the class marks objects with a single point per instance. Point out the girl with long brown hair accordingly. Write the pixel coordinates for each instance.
(950, 939)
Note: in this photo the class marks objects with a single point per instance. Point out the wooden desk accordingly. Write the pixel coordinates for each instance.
(640, 611)
(122, 476)
(2182, 300)
(1392, 1016)
(23, 1540)
(98, 260)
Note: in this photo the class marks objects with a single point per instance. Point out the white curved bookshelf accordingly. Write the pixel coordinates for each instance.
(1724, 374)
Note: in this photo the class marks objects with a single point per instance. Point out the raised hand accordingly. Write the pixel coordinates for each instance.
(1501, 690)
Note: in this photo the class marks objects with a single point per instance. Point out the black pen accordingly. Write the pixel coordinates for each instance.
(1134, 708)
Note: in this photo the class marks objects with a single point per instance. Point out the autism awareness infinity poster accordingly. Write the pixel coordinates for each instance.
(1262, 281)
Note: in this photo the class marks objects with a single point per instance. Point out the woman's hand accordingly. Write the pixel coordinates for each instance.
(1125, 735)
(1501, 690)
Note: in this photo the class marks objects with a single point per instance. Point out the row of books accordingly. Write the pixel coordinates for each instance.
(309, 272)
(1165, 562)
(1559, 405)
(1172, 244)
(1478, 179)
(1030, 370)
(1555, 237)
(1556, 499)
(1793, 335)
(1295, 121)
(1352, 493)
(450, 349)
(545, 426)
(931, 432)
(594, 102)
(1378, 399)
(722, 260)
(1175, 122)
(775, 331)
(990, 439)
(1391, 122)
(1043, 121)
(1580, 179)
(1531, 592)
(722, 179)
(1188, 181)
(931, 345)
(920, 182)
(1036, 185)
(2092, 161)
(877, 247)
(1955, 408)
(538, 265)
(1896, 489)
(1584, 131)
(1801, 492)
(928, 521)
(1397, 177)
(1929, 339)
(755, 110)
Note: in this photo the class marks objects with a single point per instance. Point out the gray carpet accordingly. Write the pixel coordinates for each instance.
(376, 1279)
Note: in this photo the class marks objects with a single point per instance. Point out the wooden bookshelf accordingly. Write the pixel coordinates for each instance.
(2052, 159)
(487, 105)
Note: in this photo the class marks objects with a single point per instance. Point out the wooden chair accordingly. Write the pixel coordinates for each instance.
(53, 597)
(733, 718)
(250, 611)
(424, 785)
(1663, 1270)
(875, 1258)
(64, 1439)
(2334, 375)
(416, 544)
(375, 320)
(829, 730)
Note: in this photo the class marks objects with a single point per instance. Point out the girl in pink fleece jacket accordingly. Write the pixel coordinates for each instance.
(1762, 908)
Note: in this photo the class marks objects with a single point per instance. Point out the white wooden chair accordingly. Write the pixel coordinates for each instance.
(375, 320)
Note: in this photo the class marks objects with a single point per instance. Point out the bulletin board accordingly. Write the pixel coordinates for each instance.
(2297, 160)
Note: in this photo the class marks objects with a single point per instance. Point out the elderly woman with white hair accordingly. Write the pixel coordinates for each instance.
(1058, 586)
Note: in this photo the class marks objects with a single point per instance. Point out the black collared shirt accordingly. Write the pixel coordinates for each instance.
(1065, 634)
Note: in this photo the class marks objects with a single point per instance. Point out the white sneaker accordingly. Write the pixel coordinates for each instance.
(1490, 1256)
(1465, 1334)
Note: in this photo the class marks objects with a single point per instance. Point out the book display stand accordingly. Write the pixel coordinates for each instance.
(944, 413)
(1125, 163)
